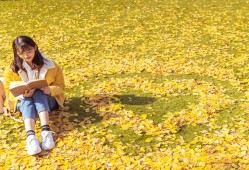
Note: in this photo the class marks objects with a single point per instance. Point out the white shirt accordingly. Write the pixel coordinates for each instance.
(32, 74)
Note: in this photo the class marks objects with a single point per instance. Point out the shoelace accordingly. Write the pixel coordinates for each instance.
(53, 133)
(30, 141)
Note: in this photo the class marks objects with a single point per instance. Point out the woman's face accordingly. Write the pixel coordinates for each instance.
(27, 54)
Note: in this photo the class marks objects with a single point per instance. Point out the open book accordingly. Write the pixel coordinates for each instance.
(18, 87)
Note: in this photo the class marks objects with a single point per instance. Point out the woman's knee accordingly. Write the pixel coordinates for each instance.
(27, 108)
(26, 105)
(38, 93)
(26, 115)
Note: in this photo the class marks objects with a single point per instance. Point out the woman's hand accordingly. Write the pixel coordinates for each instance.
(29, 93)
(46, 90)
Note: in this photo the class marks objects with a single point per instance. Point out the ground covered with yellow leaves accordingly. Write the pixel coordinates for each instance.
(150, 84)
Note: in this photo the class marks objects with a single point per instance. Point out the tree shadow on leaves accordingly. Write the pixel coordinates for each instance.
(82, 111)
(76, 115)
(131, 99)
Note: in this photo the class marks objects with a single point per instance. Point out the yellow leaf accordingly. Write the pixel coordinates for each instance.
(148, 140)
(143, 116)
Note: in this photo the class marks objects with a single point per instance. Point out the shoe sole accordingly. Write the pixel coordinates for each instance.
(34, 153)
(46, 149)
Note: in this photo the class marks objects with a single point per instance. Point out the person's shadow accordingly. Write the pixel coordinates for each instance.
(81, 111)
(84, 109)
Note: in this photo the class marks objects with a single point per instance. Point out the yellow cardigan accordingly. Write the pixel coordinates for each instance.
(53, 76)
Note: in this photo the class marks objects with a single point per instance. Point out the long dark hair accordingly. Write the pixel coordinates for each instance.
(23, 43)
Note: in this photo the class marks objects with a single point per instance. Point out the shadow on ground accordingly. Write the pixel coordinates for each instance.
(131, 99)
(85, 108)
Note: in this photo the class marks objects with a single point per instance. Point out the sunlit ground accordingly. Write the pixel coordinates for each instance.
(150, 84)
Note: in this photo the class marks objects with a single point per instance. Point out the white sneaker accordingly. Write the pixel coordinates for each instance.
(47, 140)
(32, 145)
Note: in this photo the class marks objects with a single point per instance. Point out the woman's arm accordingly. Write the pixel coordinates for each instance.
(10, 76)
(57, 84)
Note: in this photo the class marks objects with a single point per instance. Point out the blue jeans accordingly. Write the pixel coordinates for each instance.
(30, 106)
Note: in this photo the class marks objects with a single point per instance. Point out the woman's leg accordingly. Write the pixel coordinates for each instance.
(27, 108)
(29, 124)
(44, 118)
(44, 104)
